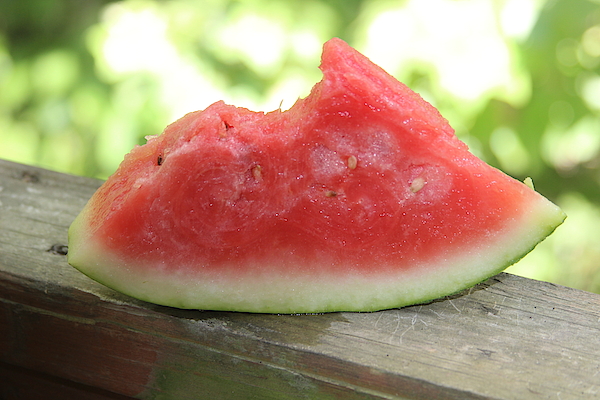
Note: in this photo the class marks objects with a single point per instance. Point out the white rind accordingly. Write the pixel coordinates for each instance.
(274, 292)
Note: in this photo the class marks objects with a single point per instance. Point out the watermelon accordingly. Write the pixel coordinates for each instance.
(358, 198)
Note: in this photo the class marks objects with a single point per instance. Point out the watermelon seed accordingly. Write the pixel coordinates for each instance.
(257, 172)
(352, 162)
(223, 135)
(330, 193)
(417, 184)
(159, 160)
(529, 182)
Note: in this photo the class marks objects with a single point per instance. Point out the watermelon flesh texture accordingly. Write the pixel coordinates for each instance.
(358, 198)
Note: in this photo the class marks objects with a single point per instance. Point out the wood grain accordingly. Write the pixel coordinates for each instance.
(60, 332)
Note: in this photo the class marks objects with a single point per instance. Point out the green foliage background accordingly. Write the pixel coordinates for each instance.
(82, 82)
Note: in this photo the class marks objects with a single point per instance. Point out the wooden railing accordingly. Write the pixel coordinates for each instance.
(63, 335)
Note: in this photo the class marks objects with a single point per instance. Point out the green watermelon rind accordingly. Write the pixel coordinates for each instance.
(316, 293)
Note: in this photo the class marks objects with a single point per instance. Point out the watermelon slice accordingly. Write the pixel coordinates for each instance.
(358, 198)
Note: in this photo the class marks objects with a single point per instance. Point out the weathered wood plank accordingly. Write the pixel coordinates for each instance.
(507, 338)
(18, 383)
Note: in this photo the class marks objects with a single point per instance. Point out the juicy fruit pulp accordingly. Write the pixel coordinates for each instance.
(358, 198)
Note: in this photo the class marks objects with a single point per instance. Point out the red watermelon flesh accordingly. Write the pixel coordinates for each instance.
(358, 198)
